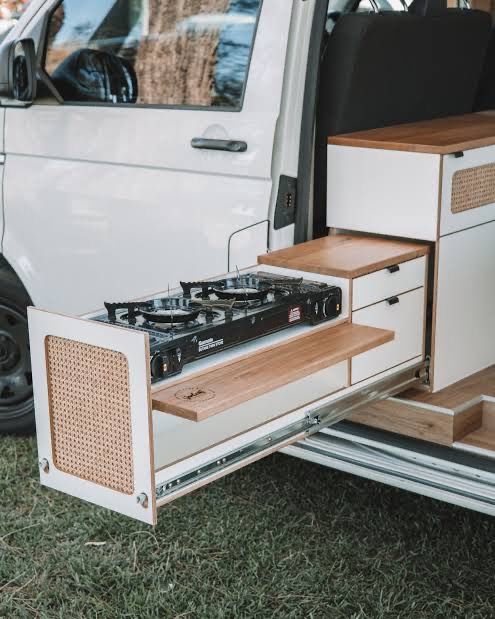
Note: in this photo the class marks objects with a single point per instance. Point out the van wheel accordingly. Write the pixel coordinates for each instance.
(16, 388)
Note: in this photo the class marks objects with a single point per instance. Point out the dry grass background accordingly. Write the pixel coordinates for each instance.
(178, 67)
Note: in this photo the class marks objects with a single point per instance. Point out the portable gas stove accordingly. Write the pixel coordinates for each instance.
(211, 316)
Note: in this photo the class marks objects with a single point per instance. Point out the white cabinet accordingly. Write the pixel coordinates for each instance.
(392, 298)
(383, 192)
(409, 194)
(387, 283)
(433, 181)
(465, 308)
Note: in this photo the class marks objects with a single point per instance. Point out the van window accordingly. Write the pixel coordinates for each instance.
(152, 52)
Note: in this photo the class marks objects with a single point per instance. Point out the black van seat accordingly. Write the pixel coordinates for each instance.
(485, 99)
(391, 68)
(396, 68)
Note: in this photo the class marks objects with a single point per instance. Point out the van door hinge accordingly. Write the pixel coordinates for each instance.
(285, 209)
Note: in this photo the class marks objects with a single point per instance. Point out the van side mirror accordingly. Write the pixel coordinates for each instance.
(22, 73)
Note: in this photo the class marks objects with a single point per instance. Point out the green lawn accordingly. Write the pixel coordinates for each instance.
(281, 539)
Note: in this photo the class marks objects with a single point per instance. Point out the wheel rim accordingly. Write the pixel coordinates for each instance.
(16, 389)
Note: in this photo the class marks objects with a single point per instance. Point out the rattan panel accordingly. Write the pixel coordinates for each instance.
(473, 187)
(90, 413)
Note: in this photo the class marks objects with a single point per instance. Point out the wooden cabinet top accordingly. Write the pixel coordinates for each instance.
(345, 255)
(442, 136)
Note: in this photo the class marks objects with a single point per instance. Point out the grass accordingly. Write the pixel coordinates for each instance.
(282, 538)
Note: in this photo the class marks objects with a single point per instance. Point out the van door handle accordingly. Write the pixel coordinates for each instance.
(393, 301)
(231, 146)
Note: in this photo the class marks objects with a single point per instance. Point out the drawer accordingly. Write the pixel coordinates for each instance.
(406, 319)
(468, 190)
(387, 283)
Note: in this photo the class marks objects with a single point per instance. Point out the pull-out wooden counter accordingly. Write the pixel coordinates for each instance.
(107, 435)
(222, 388)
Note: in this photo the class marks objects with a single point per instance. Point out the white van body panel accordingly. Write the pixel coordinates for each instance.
(2, 147)
(117, 204)
(110, 230)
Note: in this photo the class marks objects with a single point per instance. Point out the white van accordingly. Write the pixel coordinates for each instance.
(153, 149)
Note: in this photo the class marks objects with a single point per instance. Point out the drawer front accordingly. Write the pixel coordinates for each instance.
(468, 190)
(406, 319)
(387, 283)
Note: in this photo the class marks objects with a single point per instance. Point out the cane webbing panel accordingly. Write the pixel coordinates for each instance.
(90, 413)
(473, 187)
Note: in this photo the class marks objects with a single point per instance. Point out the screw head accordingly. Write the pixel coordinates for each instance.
(45, 465)
(142, 500)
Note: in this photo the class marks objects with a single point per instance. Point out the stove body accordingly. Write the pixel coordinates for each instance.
(209, 317)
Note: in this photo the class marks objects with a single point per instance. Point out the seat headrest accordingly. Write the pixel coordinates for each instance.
(427, 7)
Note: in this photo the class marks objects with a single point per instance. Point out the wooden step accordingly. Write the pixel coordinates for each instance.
(457, 395)
(432, 424)
(457, 414)
(482, 439)
(220, 389)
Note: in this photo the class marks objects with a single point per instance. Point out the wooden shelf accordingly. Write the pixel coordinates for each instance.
(442, 136)
(346, 256)
(220, 389)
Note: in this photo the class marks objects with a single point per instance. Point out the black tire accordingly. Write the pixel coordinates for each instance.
(16, 392)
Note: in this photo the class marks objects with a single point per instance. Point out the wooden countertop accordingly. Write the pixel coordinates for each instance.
(222, 388)
(442, 136)
(347, 256)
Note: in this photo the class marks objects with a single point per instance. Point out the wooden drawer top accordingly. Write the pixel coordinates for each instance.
(220, 389)
(442, 136)
(346, 256)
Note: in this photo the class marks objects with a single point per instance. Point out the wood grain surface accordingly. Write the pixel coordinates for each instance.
(344, 255)
(442, 136)
(220, 389)
(479, 384)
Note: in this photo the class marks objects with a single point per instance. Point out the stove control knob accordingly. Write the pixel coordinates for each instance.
(332, 308)
(158, 366)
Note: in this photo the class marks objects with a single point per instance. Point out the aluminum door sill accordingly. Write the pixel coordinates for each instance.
(408, 469)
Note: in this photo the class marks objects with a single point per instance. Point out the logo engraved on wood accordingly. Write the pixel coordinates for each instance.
(195, 394)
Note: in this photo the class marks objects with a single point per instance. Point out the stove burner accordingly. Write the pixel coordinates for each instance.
(170, 311)
(242, 289)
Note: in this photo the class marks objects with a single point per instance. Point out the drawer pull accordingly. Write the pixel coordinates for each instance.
(394, 269)
(393, 301)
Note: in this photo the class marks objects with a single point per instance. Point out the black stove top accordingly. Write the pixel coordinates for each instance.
(211, 316)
